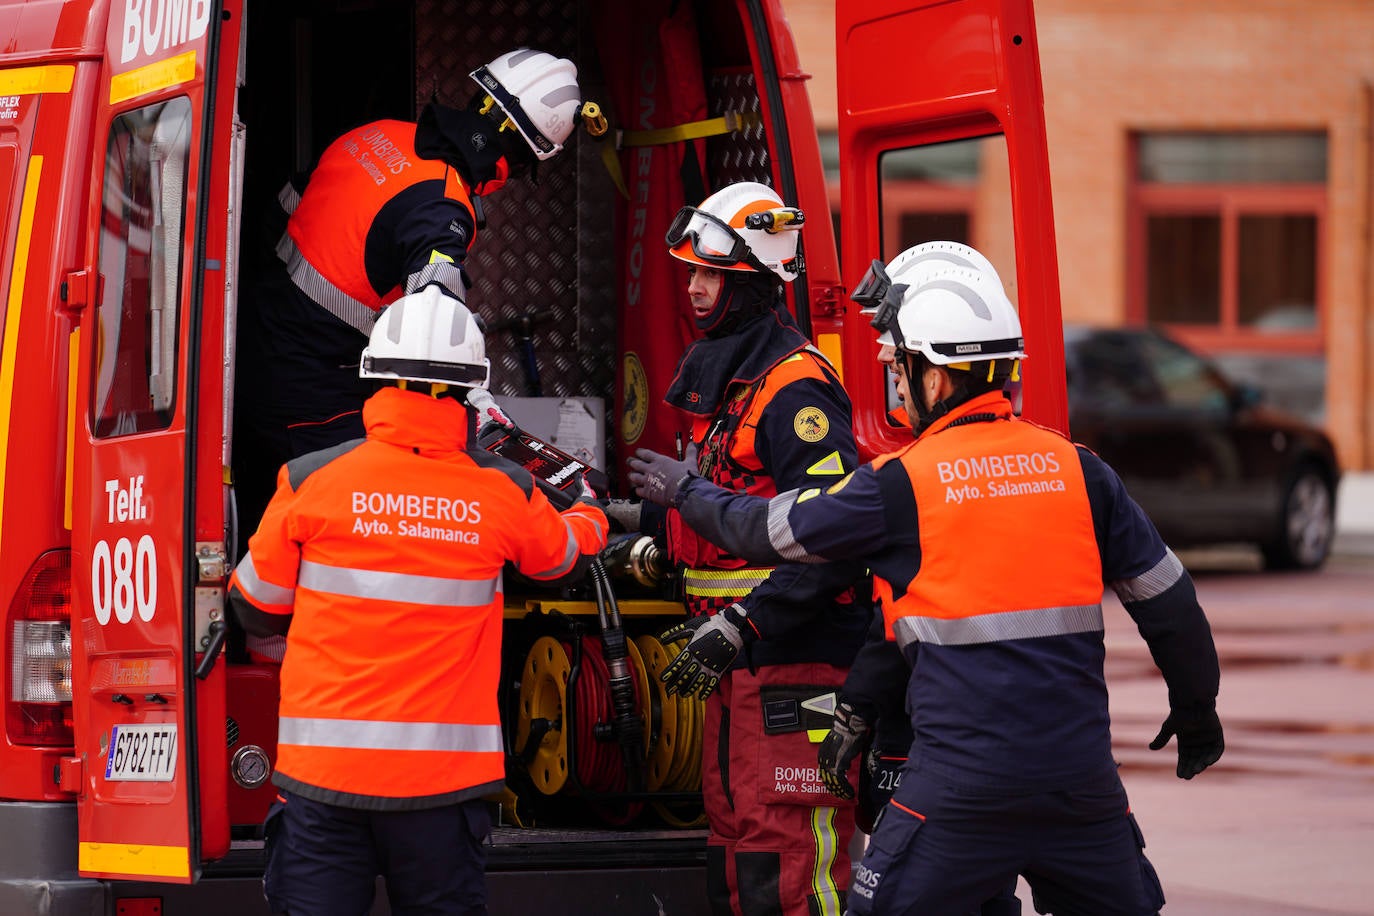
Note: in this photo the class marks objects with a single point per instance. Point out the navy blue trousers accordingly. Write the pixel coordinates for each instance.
(943, 849)
(323, 860)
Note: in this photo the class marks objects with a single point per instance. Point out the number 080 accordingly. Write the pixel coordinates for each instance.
(125, 580)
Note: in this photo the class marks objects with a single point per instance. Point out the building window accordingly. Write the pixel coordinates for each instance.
(1225, 238)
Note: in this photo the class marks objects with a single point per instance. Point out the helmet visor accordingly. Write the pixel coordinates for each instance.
(884, 305)
(871, 289)
(713, 241)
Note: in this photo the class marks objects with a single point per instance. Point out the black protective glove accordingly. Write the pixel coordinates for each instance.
(1200, 739)
(658, 478)
(848, 733)
(624, 514)
(713, 644)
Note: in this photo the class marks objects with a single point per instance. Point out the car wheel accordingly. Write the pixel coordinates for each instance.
(1307, 523)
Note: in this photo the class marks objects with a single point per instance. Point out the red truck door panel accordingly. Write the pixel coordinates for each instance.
(149, 548)
(912, 74)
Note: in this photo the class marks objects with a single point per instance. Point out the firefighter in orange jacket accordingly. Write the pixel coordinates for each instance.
(1011, 771)
(766, 646)
(390, 208)
(381, 561)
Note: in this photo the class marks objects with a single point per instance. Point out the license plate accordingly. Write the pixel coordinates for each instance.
(142, 753)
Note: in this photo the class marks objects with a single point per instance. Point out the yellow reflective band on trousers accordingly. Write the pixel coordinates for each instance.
(999, 627)
(724, 583)
(389, 736)
(134, 859)
(827, 845)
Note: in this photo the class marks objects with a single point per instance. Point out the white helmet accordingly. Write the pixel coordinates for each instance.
(538, 93)
(958, 315)
(743, 226)
(427, 337)
(911, 267)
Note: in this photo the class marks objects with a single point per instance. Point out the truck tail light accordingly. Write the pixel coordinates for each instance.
(38, 710)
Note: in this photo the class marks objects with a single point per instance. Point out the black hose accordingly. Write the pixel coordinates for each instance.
(629, 728)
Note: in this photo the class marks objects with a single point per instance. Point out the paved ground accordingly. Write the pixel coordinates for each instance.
(1284, 825)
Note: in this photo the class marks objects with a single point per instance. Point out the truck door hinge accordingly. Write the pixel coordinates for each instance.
(211, 563)
(67, 774)
(830, 300)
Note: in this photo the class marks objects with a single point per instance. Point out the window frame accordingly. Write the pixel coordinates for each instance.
(107, 418)
(1228, 202)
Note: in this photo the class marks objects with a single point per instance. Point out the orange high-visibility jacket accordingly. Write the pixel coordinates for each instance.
(339, 261)
(968, 488)
(388, 552)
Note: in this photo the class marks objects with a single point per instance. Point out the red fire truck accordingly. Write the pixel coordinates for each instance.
(142, 146)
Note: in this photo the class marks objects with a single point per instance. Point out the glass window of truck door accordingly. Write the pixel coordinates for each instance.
(143, 215)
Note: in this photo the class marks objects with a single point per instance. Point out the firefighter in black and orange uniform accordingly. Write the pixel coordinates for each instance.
(390, 208)
(767, 646)
(381, 561)
(990, 540)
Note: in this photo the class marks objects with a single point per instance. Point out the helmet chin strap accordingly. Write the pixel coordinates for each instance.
(915, 366)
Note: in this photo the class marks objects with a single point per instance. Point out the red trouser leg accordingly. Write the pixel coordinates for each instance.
(784, 838)
(721, 883)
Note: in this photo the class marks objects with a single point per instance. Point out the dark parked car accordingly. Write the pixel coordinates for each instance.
(1205, 458)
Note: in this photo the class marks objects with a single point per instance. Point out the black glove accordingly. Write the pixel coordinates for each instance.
(1200, 740)
(848, 732)
(713, 644)
(658, 478)
(624, 514)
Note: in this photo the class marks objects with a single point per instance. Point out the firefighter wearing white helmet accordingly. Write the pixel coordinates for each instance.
(390, 208)
(380, 561)
(910, 267)
(768, 415)
(427, 337)
(991, 540)
(957, 336)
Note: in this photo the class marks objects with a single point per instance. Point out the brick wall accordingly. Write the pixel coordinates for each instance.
(1111, 67)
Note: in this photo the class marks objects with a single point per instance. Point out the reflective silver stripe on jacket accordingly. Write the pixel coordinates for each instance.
(389, 586)
(723, 583)
(313, 283)
(361, 734)
(780, 529)
(289, 198)
(252, 585)
(445, 273)
(985, 628)
(1154, 581)
(565, 564)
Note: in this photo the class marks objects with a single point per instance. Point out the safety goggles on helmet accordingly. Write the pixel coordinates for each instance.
(714, 242)
(879, 297)
(510, 107)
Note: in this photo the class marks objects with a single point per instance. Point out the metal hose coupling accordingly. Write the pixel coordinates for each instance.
(637, 557)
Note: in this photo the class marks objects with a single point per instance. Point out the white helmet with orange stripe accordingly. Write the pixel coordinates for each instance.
(744, 226)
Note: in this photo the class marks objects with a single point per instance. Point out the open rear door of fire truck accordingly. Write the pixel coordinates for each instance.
(940, 103)
(149, 498)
